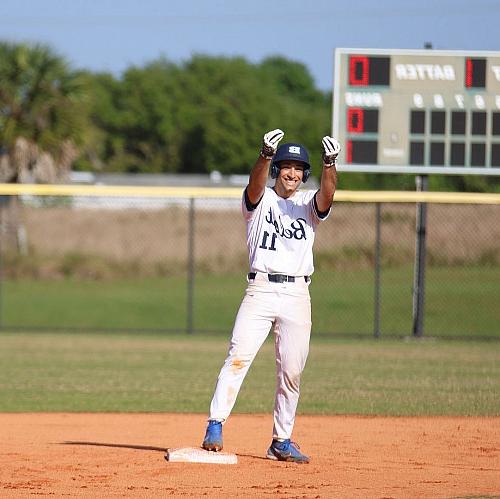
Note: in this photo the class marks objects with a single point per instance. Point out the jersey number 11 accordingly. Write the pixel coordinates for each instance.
(272, 247)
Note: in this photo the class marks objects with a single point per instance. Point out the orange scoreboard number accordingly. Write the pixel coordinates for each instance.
(417, 111)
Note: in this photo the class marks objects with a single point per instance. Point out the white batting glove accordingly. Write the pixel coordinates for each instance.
(331, 149)
(270, 143)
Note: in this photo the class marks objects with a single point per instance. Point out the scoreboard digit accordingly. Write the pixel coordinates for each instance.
(417, 111)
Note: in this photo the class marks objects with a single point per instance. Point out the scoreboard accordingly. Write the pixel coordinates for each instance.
(417, 111)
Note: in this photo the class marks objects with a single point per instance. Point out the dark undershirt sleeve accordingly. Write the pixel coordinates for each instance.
(249, 205)
(321, 214)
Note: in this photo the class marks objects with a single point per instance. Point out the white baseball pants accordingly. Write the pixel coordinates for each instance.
(288, 306)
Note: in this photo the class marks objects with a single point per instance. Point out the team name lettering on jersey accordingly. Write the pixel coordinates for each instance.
(297, 230)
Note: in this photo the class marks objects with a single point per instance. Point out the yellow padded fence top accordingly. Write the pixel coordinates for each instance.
(235, 192)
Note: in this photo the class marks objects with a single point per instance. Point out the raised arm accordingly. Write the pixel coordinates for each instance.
(260, 171)
(324, 197)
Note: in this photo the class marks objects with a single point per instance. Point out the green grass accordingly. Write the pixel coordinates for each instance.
(460, 301)
(174, 373)
(142, 303)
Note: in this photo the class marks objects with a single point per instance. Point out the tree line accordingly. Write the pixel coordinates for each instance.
(204, 114)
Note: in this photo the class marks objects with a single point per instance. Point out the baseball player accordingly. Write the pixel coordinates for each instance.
(281, 222)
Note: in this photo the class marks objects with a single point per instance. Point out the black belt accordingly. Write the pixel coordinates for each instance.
(279, 277)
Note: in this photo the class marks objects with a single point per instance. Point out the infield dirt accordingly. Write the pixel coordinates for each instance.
(122, 455)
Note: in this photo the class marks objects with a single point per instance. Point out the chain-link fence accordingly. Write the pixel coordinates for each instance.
(96, 262)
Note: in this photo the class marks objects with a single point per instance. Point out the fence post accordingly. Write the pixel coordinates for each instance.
(4, 201)
(1, 269)
(376, 316)
(422, 182)
(191, 268)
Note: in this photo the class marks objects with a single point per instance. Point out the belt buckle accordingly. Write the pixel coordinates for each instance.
(280, 278)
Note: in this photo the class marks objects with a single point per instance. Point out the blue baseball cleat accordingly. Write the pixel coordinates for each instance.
(213, 436)
(286, 451)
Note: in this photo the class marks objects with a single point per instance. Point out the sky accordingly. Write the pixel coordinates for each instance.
(111, 35)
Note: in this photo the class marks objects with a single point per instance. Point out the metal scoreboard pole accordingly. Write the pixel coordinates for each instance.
(422, 184)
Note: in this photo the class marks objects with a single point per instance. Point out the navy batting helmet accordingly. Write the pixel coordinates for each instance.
(296, 152)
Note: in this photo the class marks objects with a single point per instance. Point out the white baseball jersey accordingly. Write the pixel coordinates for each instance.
(280, 236)
(280, 233)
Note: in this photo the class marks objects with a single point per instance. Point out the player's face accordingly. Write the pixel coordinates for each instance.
(289, 178)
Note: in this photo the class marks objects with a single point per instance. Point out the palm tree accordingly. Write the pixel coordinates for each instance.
(41, 114)
(42, 119)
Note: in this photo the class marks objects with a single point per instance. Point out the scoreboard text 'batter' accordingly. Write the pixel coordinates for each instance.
(417, 111)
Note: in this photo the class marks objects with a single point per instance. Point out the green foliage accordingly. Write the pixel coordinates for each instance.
(205, 114)
(465, 183)
(41, 99)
